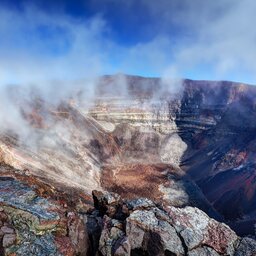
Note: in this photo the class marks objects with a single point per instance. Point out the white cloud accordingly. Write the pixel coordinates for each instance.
(70, 51)
(218, 35)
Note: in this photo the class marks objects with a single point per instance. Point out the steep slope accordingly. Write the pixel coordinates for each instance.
(220, 155)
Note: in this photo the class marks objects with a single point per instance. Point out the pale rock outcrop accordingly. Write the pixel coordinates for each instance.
(203, 251)
(146, 229)
(196, 228)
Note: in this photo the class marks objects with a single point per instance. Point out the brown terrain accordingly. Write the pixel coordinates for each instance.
(131, 180)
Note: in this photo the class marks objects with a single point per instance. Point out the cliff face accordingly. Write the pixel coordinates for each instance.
(221, 155)
(193, 148)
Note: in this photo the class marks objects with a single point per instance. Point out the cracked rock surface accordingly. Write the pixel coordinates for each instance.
(59, 224)
(140, 227)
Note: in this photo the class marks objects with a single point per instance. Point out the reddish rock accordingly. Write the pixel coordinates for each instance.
(3, 216)
(64, 246)
(7, 230)
(78, 234)
(198, 229)
(9, 239)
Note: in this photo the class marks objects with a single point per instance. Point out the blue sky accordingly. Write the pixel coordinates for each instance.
(200, 39)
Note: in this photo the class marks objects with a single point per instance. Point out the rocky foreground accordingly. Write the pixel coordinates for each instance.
(140, 227)
(37, 220)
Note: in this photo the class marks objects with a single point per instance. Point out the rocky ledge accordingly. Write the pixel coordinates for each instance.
(140, 227)
(36, 219)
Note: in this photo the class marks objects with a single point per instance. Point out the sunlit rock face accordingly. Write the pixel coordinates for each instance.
(140, 227)
(137, 137)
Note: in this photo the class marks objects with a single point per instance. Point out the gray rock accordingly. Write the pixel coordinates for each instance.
(144, 230)
(161, 215)
(7, 230)
(110, 235)
(197, 228)
(41, 246)
(247, 247)
(8, 240)
(203, 251)
(123, 248)
(191, 238)
(146, 219)
(169, 238)
(105, 198)
(19, 195)
(140, 204)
